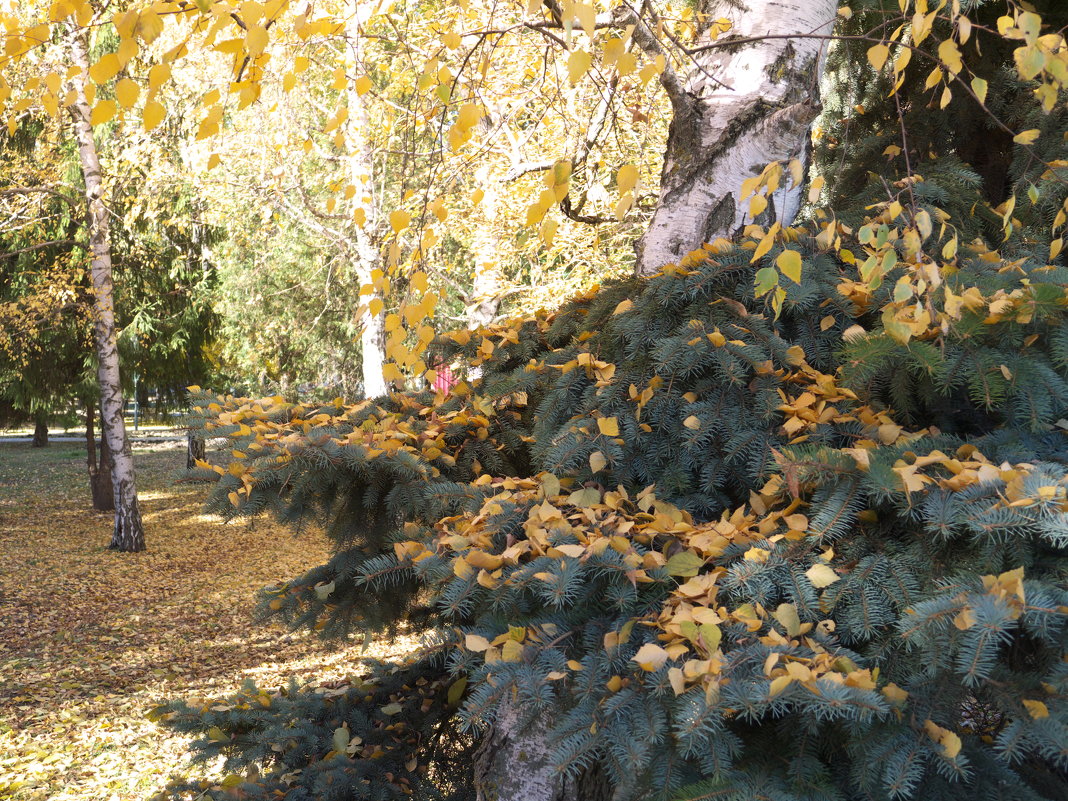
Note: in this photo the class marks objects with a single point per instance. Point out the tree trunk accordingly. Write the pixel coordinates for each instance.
(40, 430)
(99, 470)
(487, 282)
(194, 449)
(740, 108)
(514, 763)
(365, 215)
(128, 534)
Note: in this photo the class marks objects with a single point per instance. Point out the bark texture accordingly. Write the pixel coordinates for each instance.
(366, 215)
(487, 283)
(194, 449)
(128, 533)
(99, 468)
(514, 763)
(40, 430)
(741, 106)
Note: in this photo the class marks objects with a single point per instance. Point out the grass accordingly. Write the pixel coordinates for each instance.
(93, 639)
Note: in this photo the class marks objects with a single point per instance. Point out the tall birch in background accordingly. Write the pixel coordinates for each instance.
(367, 251)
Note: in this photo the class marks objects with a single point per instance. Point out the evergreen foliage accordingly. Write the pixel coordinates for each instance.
(802, 540)
(697, 539)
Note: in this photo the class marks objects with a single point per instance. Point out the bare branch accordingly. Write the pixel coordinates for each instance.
(26, 190)
(525, 168)
(39, 246)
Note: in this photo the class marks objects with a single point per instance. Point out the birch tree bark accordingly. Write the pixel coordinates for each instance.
(745, 102)
(487, 282)
(366, 215)
(514, 763)
(128, 533)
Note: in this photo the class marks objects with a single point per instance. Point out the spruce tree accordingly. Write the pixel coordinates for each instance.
(785, 521)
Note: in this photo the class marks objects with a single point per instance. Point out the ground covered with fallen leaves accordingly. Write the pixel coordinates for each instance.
(90, 640)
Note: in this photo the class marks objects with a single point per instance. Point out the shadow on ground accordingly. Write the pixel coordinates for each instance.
(90, 639)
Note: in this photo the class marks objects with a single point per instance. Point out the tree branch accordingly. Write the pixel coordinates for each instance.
(40, 246)
(26, 190)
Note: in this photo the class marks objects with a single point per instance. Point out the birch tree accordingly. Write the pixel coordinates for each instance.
(128, 533)
(748, 99)
(366, 216)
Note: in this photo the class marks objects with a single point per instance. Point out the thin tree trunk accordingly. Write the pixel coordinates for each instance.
(365, 212)
(40, 430)
(128, 533)
(99, 470)
(194, 449)
(739, 109)
(487, 282)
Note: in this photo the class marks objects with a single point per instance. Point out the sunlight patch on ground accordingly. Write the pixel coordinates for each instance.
(93, 639)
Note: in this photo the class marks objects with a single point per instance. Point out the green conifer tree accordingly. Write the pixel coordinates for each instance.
(788, 521)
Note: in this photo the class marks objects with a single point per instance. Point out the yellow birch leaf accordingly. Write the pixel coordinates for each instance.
(814, 188)
(979, 86)
(469, 115)
(1026, 137)
(821, 575)
(548, 231)
(949, 54)
(763, 248)
(608, 426)
(597, 461)
(786, 614)
(877, 56)
(158, 75)
(363, 85)
(578, 63)
(105, 69)
(256, 39)
(587, 17)
(626, 178)
(692, 422)
(895, 694)
(779, 684)
(650, 657)
(1036, 709)
(789, 263)
(127, 91)
(399, 220)
(677, 680)
(475, 643)
(102, 112)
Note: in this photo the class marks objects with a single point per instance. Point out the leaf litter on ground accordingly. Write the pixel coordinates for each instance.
(90, 640)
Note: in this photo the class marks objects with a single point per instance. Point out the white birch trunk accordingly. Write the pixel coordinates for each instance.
(739, 109)
(368, 252)
(514, 763)
(487, 282)
(128, 534)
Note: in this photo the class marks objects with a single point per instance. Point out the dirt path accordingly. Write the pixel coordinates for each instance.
(90, 640)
